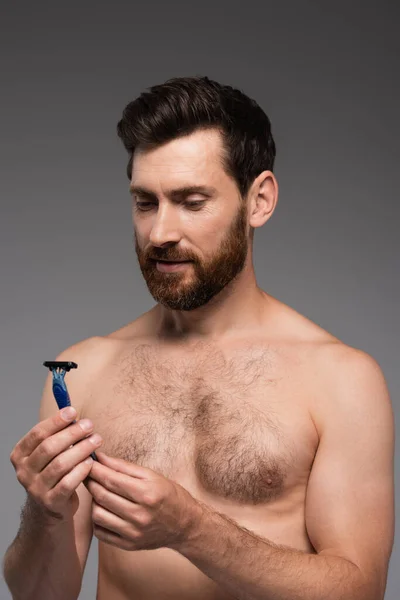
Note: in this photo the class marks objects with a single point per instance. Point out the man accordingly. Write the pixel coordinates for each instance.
(245, 452)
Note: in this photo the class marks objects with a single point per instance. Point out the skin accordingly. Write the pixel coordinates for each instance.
(172, 227)
(227, 418)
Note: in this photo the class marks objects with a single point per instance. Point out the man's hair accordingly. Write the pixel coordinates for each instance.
(183, 105)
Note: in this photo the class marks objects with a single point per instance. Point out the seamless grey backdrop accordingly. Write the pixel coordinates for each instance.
(326, 73)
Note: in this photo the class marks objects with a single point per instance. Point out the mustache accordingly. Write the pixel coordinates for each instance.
(156, 254)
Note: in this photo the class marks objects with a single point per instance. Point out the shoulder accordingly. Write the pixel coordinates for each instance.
(324, 352)
(86, 353)
(340, 363)
(93, 356)
(343, 381)
(93, 351)
(349, 382)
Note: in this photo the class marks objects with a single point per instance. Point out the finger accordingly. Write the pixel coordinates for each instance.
(114, 503)
(55, 444)
(101, 517)
(43, 430)
(113, 539)
(69, 483)
(123, 485)
(123, 466)
(64, 462)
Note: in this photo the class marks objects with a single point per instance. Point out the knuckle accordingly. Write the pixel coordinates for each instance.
(58, 464)
(63, 488)
(148, 500)
(151, 498)
(16, 462)
(144, 519)
(135, 535)
(47, 447)
(100, 496)
(107, 483)
(96, 513)
(47, 501)
(13, 457)
(36, 435)
(21, 475)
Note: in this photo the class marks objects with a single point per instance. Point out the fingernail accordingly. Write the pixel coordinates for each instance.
(86, 424)
(95, 438)
(68, 413)
(89, 460)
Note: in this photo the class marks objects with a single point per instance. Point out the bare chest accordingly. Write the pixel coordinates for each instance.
(236, 423)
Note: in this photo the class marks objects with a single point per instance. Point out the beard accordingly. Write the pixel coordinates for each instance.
(186, 290)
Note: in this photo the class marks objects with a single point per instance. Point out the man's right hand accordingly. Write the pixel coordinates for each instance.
(50, 468)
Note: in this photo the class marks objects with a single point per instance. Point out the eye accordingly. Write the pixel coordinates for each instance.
(146, 206)
(143, 206)
(195, 204)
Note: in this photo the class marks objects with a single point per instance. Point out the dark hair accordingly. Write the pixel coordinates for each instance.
(183, 105)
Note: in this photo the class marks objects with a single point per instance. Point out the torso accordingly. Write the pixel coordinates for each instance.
(232, 423)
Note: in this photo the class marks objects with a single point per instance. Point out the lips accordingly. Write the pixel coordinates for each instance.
(169, 261)
(171, 267)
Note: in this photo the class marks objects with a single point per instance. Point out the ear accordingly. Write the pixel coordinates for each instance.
(263, 198)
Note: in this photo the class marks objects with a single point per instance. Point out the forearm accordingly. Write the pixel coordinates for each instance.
(253, 568)
(42, 562)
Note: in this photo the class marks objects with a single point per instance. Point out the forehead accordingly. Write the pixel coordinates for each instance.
(196, 158)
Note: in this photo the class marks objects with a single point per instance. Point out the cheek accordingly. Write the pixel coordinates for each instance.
(210, 238)
(141, 235)
(207, 230)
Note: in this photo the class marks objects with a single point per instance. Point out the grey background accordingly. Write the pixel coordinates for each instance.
(326, 73)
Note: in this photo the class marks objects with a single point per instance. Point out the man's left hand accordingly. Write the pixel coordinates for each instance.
(135, 508)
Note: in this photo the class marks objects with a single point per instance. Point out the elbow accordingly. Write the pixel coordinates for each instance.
(370, 588)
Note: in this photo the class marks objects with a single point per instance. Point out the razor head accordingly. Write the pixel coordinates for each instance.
(60, 364)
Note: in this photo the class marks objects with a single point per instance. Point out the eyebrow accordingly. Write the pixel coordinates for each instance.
(174, 193)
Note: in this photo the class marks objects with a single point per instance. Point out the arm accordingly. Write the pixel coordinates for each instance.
(48, 556)
(43, 561)
(349, 507)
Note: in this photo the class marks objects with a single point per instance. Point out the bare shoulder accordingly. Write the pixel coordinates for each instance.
(93, 352)
(341, 377)
(327, 353)
(93, 356)
(341, 364)
(349, 381)
(89, 354)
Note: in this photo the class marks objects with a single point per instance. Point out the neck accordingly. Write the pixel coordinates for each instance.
(238, 308)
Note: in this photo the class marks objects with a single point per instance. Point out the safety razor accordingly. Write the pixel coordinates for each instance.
(60, 391)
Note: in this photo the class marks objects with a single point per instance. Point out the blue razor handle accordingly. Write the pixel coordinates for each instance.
(60, 391)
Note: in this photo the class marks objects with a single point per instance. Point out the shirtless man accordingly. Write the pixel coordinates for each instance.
(246, 452)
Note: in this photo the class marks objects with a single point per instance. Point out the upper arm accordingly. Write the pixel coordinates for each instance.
(48, 407)
(350, 496)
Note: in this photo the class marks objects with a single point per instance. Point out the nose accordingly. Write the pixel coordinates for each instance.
(165, 228)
